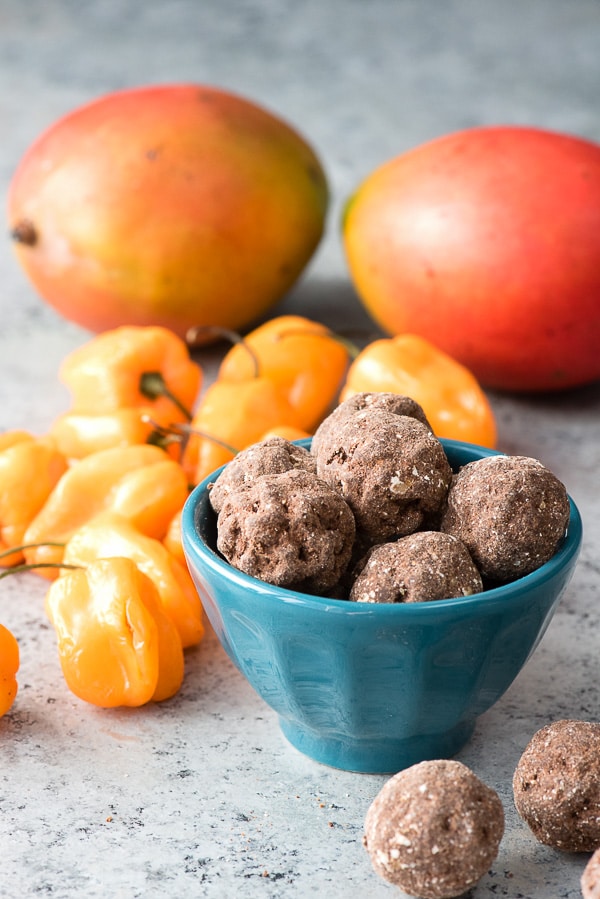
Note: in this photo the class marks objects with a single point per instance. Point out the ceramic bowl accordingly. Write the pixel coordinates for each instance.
(374, 688)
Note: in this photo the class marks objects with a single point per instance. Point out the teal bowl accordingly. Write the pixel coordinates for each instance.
(374, 688)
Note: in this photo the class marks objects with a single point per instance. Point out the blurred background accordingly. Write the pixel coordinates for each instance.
(363, 81)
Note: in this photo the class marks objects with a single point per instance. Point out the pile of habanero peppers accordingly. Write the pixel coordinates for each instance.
(94, 506)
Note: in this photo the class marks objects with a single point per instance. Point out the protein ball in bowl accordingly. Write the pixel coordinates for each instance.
(590, 879)
(434, 829)
(360, 402)
(289, 529)
(510, 511)
(271, 456)
(556, 785)
(422, 567)
(391, 470)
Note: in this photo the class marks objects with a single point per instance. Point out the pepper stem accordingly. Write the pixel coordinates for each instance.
(186, 429)
(178, 431)
(23, 546)
(153, 385)
(199, 334)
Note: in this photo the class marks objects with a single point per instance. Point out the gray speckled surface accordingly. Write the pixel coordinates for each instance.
(201, 796)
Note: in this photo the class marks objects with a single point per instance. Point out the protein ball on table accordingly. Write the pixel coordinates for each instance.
(590, 879)
(391, 470)
(359, 402)
(510, 511)
(289, 529)
(270, 456)
(421, 567)
(556, 785)
(434, 829)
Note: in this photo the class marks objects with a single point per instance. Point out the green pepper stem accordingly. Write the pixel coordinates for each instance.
(153, 385)
(23, 546)
(178, 431)
(187, 429)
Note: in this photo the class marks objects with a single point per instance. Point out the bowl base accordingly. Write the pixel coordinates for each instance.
(372, 756)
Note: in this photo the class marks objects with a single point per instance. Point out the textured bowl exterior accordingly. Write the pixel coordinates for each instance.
(374, 688)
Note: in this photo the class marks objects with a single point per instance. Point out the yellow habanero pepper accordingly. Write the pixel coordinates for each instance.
(78, 435)
(232, 415)
(108, 535)
(138, 482)
(116, 645)
(9, 666)
(142, 367)
(302, 357)
(30, 468)
(450, 395)
(172, 539)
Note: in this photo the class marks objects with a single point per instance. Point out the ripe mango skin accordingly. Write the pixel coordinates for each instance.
(487, 243)
(177, 205)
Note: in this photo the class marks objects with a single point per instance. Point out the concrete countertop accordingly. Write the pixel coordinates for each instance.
(201, 795)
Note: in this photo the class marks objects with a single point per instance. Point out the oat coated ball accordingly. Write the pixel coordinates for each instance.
(434, 829)
(359, 402)
(391, 470)
(510, 511)
(424, 566)
(270, 456)
(590, 879)
(556, 785)
(289, 529)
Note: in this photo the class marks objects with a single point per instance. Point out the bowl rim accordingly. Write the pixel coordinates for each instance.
(503, 594)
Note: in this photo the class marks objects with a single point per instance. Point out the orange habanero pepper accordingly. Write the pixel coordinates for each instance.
(302, 357)
(116, 645)
(144, 368)
(108, 535)
(450, 395)
(9, 666)
(30, 468)
(232, 415)
(139, 482)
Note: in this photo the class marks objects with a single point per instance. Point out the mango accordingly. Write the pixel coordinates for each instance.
(176, 205)
(486, 242)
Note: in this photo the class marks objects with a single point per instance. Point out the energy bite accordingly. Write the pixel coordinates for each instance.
(434, 829)
(270, 456)
(391, 470)
(359, 402)
(590, 879)
(289, 529)
(556, 785)
(510, 511)
(421, 567)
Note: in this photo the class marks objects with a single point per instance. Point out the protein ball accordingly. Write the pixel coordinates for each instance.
(359, 402)
(270, 456)
(556, 785)
(391, 470)
(590, 879)
(510, 511)
(434, 829)
(289, 529)
(419, 568)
